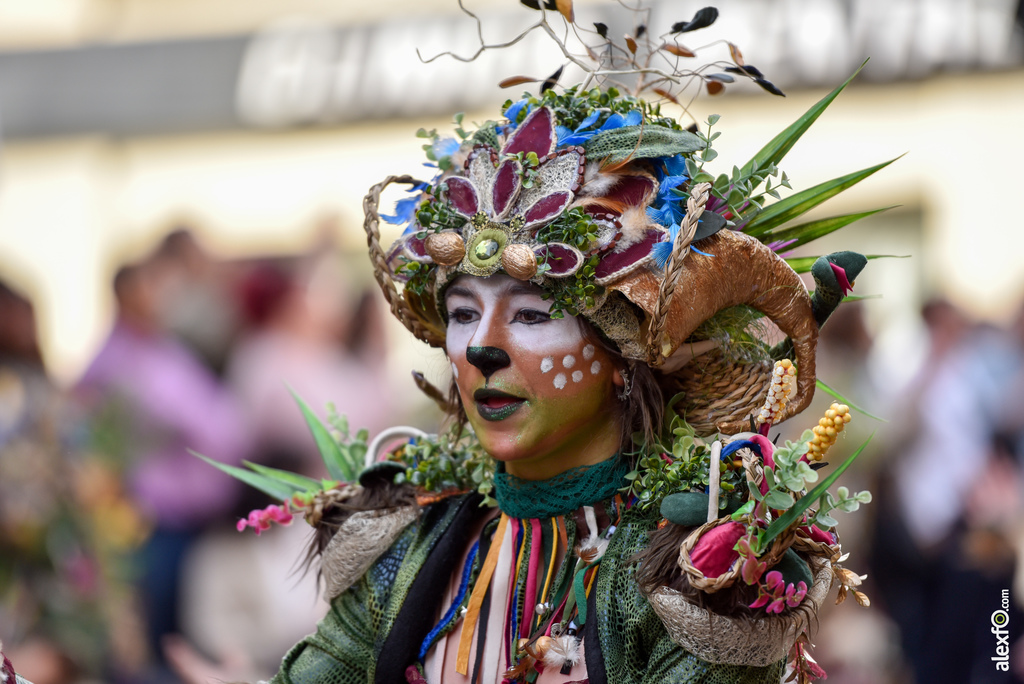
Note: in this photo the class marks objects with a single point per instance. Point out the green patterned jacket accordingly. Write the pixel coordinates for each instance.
(379, 617)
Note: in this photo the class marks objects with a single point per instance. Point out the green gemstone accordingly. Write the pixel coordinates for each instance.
(485, 249)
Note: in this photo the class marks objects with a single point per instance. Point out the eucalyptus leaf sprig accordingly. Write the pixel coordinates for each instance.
(679, 461)
(450, 461)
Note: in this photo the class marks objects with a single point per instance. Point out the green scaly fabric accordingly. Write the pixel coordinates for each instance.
(632, 642)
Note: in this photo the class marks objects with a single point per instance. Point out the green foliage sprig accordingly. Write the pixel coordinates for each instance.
(792, 476)
(453, 460)
(573, 294)
(679, 461)
(571, 107)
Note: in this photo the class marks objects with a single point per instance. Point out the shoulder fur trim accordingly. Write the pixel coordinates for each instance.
(360, 541)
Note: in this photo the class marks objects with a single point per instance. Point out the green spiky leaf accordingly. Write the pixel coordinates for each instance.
(812, 230)
(269, 486)
(795, 513)
(803, 264)
(781, 144)
(300, 483)
(337, 464)
(800, 203)
(839, 397)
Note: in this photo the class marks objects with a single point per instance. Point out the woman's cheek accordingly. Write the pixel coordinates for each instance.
(568, 371)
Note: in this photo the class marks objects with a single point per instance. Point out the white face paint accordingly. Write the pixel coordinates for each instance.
(588, 352)
(455, 371)
(521, 413)
(595, 368)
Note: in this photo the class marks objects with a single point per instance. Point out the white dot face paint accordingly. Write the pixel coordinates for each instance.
(534, 410)
(595, 368)
(588, 352)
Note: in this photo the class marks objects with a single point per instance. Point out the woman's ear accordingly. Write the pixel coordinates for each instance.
(617, 378)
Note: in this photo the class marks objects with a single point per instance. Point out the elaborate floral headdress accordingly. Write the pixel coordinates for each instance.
(605, 203)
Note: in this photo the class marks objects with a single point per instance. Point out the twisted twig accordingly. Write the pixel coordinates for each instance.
(694, 208)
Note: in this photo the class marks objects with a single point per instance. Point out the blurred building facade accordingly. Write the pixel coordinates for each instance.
(257, 122)
(260, 124)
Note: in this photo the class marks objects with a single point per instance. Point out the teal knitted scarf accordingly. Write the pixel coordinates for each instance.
(565, 492)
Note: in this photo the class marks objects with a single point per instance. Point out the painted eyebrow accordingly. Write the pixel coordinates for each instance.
(523, 290)
(459, 292)
(517, 289)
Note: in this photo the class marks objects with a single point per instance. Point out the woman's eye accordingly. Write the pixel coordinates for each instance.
(531, 316)
(461, 315)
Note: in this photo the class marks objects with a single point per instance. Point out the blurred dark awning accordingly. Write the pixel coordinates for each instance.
(306, 72)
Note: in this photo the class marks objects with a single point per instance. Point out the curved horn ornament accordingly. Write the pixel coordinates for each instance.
(742, 270)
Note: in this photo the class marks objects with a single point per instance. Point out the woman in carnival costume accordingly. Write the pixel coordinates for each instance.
(604, 503)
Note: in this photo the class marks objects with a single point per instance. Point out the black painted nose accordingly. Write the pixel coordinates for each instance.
(488, 359)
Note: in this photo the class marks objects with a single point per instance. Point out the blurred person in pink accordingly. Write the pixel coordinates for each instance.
(299, 338)
(156, 401)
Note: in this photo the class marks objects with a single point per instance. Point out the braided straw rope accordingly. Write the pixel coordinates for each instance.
(382, 273)
(325, 500)
(820, 549)
(694, 208)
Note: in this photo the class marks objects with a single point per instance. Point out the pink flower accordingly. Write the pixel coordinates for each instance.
(795, 595)
(752, 569)
(775, 595)
(260, 520)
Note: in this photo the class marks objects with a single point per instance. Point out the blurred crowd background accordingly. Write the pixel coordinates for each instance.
(180, 243)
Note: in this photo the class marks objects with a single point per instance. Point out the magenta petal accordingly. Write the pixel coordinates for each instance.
(463, 196)
(563, 259)
(796, 598)
(617, 264)
(773, 579)
(535, 134)
(761, 601)
(415, 249)
(776, 606)
(242, 524)
(507, 183)
(546, 209)
(632, 191)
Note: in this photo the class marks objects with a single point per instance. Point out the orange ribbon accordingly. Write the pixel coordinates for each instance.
(476, 599)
